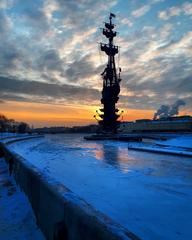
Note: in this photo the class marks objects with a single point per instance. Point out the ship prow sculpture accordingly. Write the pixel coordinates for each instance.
(108, 115)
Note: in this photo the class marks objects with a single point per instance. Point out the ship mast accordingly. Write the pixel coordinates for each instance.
(111, 81)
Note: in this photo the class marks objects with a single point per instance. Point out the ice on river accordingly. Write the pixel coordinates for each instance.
(149, 194)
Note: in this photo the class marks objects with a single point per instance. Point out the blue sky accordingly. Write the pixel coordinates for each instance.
(49, 51)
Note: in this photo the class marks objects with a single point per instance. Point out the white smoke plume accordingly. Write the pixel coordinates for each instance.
(169, 110)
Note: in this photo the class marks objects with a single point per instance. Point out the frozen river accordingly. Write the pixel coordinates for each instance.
(149, 194)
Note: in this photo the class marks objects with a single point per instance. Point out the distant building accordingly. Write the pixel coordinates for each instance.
(170, 124)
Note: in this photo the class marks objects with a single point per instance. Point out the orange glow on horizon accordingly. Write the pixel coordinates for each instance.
(39, 114)
(45, 115)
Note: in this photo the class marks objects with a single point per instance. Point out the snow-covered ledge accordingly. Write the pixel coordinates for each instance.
(59, 212)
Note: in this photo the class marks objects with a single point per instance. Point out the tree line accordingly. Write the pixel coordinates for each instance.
(10, 125)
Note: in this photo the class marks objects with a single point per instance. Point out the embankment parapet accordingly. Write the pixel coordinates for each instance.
(59, 212)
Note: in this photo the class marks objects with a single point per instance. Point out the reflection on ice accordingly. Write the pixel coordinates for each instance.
(117, 155)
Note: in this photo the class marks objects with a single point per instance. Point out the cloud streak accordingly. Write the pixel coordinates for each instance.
(141, 11)
(45, 92)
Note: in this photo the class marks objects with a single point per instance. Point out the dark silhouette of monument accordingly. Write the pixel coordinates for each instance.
(109, 114)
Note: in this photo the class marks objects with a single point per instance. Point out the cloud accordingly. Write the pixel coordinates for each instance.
(9, 57)
(46, 92)
(33, 20)
(171, 12)
(79, 14)
(157, 1)
(80, 69)
(185, 8)
(5, 23)
(156, 69)
(150, 94)
(54, 34)
(36, 18)
(5, 4)
(50, 60)
(163, 15)
(174, 11)
(127, 22)
(141, 11)
(9, 52)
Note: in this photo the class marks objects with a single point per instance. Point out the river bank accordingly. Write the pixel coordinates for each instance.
(137, 190)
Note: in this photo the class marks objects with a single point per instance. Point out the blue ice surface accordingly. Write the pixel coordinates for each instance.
(149, 194)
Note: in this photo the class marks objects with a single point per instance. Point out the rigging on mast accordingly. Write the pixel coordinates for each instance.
(109, 114)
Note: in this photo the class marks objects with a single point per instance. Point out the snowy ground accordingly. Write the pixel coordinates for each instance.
(179, 145)
(149, 194)
(181, 142)
(17, 220)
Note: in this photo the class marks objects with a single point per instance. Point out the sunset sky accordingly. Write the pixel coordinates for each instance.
(50, 62)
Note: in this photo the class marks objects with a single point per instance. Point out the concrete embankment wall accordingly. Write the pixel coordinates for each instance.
(59, 212)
